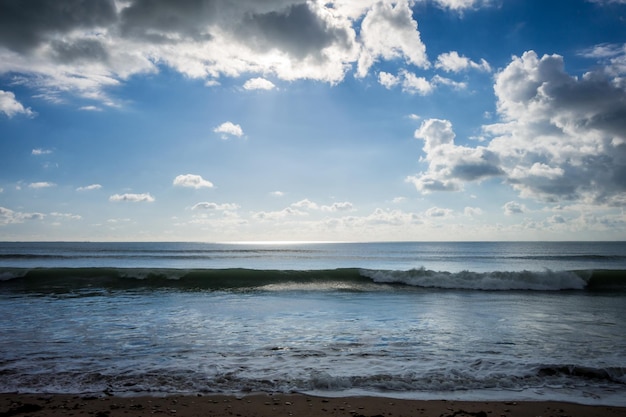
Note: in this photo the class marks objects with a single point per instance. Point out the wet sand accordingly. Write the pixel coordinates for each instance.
(261, 405)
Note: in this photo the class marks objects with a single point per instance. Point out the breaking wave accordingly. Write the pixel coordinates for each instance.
(346, 279)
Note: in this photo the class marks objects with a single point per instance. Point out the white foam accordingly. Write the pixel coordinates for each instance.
(490, 281)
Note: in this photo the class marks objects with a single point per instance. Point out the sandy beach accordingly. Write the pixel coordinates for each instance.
(261, 405)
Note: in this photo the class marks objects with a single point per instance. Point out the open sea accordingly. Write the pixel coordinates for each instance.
(476, 321)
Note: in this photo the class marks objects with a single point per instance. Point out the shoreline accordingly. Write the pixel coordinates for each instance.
(262, 405)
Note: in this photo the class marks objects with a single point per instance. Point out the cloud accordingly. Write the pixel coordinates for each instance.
(134, 198)
(416, 85)
(8, 216)
(453, 62)
(90, 108)
(335, 207)
(41, 184)
(438, 212)
(512, 208)
(410, 82)
(413, 84)
(449, 165)
(228, 129)
(277, 193)
(89, 187)
(258, 84)
(343, 206)
(84, 48)
(24, 26)
(279, 215)
(562, 137)
(11, 107)
(388, 80)
(192, 181)
(390, 32)
(40, 151)
(67, 216)
(605, 2)
(460, 5)
(472, 211)
(214, 206)
(559, 137)
(306, 204)
(72, 47)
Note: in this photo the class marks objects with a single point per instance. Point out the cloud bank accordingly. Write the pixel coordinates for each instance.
(85, 48)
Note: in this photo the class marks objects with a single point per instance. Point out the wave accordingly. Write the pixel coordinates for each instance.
(571, 378)
(346, 279)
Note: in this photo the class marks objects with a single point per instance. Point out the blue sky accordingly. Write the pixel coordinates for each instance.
(286, 120)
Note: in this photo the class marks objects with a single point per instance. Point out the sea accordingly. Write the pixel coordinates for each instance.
(420, 320)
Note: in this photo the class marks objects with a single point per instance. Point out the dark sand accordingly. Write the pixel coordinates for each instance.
(285, 405)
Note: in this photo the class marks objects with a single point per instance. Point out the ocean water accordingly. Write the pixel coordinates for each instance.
(480, 321)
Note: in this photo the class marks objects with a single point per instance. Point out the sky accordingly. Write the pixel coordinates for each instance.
(292, 120)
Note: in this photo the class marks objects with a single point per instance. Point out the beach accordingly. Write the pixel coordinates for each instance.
(261, 405)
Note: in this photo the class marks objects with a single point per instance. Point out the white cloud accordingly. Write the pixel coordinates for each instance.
(450, 164)
(438, 212)
(306, 204)
(416, 85)
(228, 129)
(512, 208)
(562, 137)
(11, 107)
(457, 85)
(134, 198)
(386, 218)
(277, 193)
(67, 216)
(390, 32)
(40, 151)
(605, 2)
(472, 211)
(343, 206)
(192, 181)
(413, 84)
(215, 206)
(258, 84)
(559, 138)
(89, 187)
(279, 215)
(8, 216)
(41, 184)
(90, 108)
(211, 83)
(460, 5)
(388, 80)
(453, 62)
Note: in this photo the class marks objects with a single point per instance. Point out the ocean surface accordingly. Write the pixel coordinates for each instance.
(478, 321)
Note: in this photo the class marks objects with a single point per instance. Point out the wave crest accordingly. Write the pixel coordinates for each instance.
(489, 281)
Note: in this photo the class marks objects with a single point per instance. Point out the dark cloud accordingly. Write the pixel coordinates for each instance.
(158, 20)
(24, 24)
(297, 30)
(81, 49)
(484, 164)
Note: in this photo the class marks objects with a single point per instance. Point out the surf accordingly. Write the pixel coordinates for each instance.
(340, 279)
